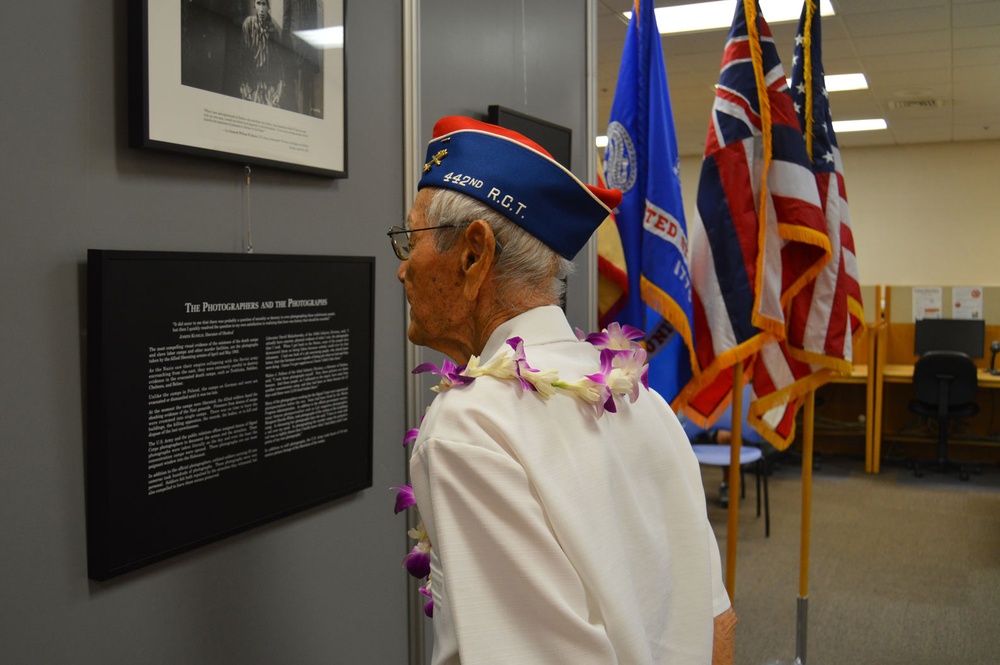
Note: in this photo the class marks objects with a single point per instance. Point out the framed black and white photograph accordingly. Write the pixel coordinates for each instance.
(251, 81)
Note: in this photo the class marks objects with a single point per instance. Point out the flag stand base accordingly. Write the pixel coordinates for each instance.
(802, 607)
(801, 625)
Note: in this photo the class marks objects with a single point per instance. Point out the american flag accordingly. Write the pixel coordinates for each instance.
(826, 316)
(748, 260)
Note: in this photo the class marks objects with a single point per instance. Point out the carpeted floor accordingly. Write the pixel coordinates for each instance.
(903, 570)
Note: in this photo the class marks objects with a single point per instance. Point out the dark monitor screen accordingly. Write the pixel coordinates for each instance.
(965, 335)
(558, 140)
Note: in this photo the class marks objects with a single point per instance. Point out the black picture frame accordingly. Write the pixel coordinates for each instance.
(215, 79)
(224, 391)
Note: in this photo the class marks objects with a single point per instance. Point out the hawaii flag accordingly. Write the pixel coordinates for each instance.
(826, 316)
(642, 161)
(757, 239)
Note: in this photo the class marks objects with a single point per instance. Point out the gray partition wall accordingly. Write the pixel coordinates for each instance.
(321, 586)
(528, 56)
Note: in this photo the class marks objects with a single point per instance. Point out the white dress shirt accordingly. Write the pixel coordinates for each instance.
(558, 537)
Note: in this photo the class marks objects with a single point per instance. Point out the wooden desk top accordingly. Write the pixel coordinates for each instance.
(904, 374)
(859, 374)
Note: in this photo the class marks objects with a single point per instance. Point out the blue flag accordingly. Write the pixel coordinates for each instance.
(641, 160)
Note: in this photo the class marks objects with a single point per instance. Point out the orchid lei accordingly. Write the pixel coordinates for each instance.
(623, 369)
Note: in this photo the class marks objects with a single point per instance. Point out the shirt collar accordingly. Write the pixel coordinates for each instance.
(540, 325)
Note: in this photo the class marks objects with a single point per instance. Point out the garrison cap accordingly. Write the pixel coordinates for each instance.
(516, 177)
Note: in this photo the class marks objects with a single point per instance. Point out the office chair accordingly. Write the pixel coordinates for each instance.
(751, 452)
(944, 389)
(714, 454)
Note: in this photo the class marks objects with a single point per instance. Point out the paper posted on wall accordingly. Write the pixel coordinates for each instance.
(926, 302)
(967, 302)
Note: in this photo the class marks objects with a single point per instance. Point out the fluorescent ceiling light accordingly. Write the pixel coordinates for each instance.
(841, 82)
(844, 126)
(323, 38)
(719, 14)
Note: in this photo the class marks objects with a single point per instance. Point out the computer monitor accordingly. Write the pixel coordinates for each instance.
(965, 335)
(558, 140)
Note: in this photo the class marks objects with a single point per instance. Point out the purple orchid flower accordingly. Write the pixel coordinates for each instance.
(429, 605)
(521, 363)
(410, 436)
(418, 561)
(606, 401)
(616, 337)
(632, 364)
(449, 372)
(404, 498)
(622, 371)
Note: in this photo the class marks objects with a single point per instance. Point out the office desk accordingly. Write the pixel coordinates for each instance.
(841, 402)
(903, 374)
(859, 374)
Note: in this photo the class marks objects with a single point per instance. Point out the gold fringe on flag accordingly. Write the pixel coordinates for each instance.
(757, 58)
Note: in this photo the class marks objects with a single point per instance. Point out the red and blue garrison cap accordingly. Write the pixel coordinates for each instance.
(516, 177)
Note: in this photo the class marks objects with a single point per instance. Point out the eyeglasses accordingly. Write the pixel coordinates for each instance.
(403, 250)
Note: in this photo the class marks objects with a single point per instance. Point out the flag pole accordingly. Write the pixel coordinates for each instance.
(802, 607)
(808, 429)
(733, 512)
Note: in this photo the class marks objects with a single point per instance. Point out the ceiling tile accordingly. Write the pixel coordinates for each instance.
(853, 7)
(932, 127)
(880, 24)
(920, 42)
(978, 36)
(986, 55)
(898, 62)
(975, 15)
(861, 140)
(976, 78)
(910, 83)
(977, 128)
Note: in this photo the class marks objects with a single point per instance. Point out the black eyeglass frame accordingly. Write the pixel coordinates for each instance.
(403, 252)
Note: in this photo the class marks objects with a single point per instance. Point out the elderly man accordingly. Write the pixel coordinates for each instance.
(562, 502)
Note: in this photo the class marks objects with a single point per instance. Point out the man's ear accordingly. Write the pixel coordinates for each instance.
(478, 257)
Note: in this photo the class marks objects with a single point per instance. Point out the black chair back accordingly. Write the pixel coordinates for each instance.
(945, 378)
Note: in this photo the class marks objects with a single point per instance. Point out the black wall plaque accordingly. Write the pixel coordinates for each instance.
(224, 391)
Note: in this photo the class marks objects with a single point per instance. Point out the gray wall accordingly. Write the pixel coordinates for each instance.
(324, 586)
(527, 56)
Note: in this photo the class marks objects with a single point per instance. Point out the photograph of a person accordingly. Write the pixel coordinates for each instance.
(254, 50)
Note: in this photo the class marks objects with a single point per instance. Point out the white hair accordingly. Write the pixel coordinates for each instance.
(525, 265)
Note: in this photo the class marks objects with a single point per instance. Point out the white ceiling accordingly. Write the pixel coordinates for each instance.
(945, 52)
